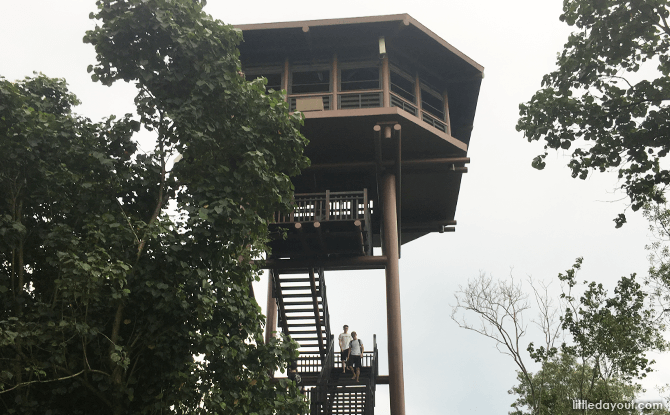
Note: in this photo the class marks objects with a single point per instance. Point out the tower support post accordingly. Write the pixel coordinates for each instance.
(271, 311)
(394, 328)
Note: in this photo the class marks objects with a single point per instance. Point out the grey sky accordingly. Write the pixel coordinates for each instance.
(509, 215)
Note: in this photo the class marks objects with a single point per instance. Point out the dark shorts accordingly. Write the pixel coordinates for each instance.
(355, 361)
(343, 355)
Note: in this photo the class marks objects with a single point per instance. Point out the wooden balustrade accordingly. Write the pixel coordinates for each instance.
(328, 206)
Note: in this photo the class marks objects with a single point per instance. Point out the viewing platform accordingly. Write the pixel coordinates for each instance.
(324, 225)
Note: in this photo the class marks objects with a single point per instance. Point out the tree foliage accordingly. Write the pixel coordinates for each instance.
(567, 386)
(658, 280)
(562, 380)
(111, 302)
(604, 337)
(608, 97)
(613, 333)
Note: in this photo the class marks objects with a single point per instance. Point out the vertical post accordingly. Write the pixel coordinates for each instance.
(386, 81)
(417, 92)
(327, 207)
(447, 119)
(390, 247)
(335, 103)
(285, 77)
(271, 311)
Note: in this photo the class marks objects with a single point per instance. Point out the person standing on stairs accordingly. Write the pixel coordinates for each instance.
(355, 353)
(344, 339)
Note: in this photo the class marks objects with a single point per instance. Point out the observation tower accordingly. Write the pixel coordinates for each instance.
(389, 109)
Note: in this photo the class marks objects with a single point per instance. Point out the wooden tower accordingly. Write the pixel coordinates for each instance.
(389, 108)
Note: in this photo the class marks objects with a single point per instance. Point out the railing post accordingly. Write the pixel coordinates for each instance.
(285, 78)
(271, 310)
(335, 76)
(365, 205)
(327, 205)
(386, 81)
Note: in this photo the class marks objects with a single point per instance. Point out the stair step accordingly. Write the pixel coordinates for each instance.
(300, 317)
(304, 339)
(296, 279)
(295, 287)
(286, 303)
(303, 324)
(301, 310)
(297, 295)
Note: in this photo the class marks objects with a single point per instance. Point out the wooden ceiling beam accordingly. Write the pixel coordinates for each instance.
(371, 165)
(358, 262)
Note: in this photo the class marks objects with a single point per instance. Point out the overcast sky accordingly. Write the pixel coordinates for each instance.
(510, 216)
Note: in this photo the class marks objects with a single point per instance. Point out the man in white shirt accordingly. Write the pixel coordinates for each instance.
(355, 353)
(344, 339)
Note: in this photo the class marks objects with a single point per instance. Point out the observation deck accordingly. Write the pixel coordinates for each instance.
(324, 225)
(348, 76)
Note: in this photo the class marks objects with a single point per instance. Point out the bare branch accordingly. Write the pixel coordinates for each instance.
(22, 384)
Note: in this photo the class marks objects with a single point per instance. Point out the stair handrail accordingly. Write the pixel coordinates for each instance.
(371, 386)
(374, 372)
(324, 302)
(324, 375)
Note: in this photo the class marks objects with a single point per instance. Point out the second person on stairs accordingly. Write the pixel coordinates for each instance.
(355, 353)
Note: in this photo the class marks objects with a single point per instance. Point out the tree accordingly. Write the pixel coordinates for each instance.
(658, 280)
(608, 97)
(501, 307)
(113, 302)
(563, 382)
(613, 333)
(608, 335)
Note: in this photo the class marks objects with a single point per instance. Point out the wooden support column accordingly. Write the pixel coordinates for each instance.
(320, 238)
(271, 312)
(386, 81)
(394, 328)
(274, 273)
(303, 240)
(359, 228)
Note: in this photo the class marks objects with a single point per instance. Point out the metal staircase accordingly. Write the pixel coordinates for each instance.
(336, 393)
(334, 225)
(302, 309)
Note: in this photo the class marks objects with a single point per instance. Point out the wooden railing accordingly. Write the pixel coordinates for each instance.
(397, 101)
(309, 363)
(367, 359)
(328, 206)
(440, 125)
(358, 99)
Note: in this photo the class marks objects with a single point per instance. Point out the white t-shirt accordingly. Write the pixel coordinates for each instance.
(355, 346)
(345, 339)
